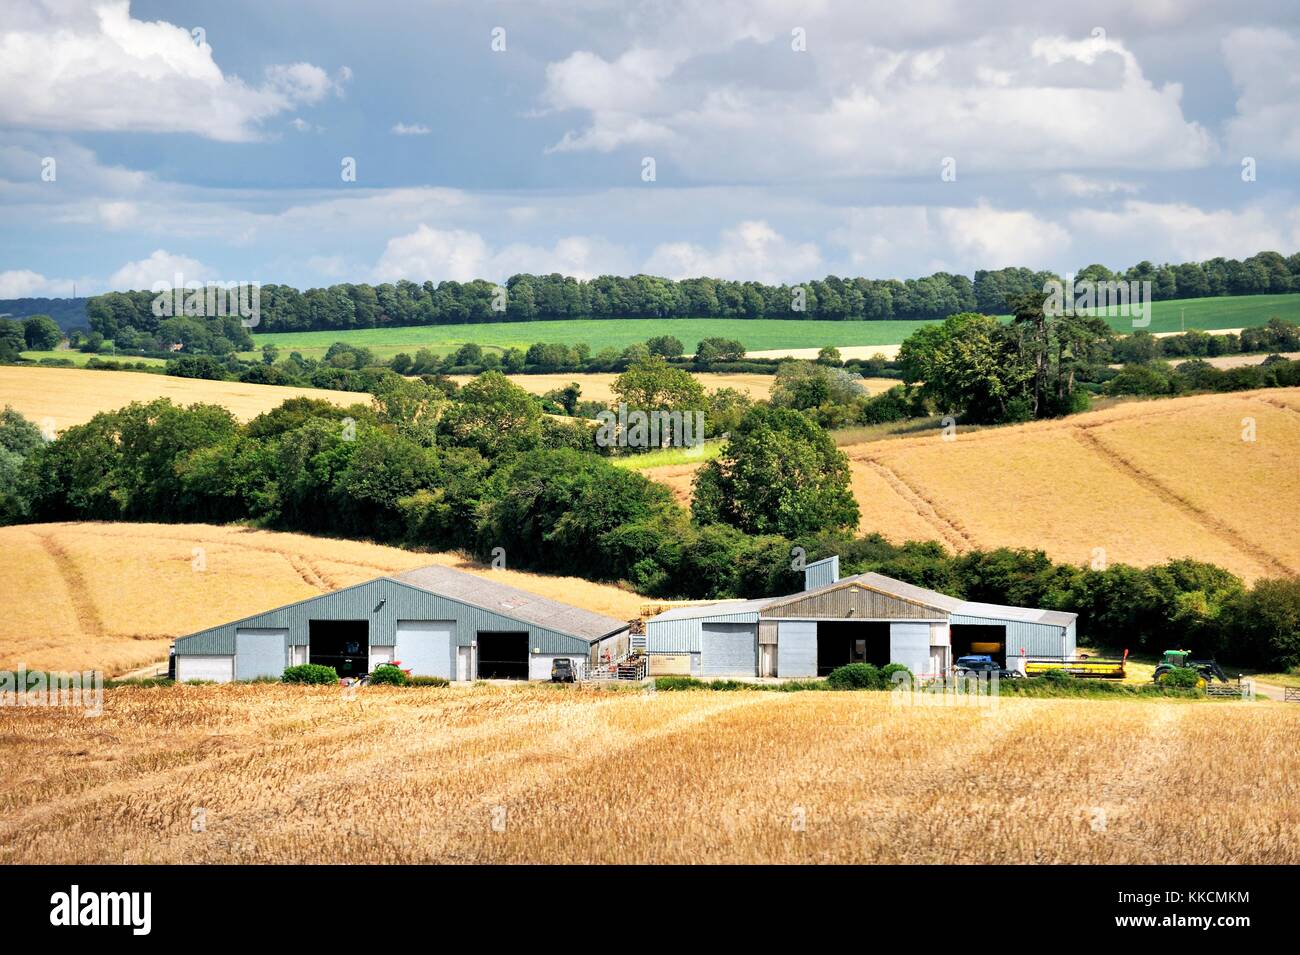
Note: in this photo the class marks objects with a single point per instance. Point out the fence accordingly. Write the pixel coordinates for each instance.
(633, 667)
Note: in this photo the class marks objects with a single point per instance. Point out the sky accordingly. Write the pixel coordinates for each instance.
(744, 139)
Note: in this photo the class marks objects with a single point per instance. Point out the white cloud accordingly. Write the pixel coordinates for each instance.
(74, 66)
(160, 266)
(751, 250)
(1086, 187)
(118, 215)
(997, 238)
(429, 254)
(1262, 65)
(24, 283)
(434, 254)
(907, 241)
(1180, 231)
(414, 129)
(304, 82)
(997, 103)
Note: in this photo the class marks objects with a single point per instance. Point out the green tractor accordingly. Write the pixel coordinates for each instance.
(1171, 660)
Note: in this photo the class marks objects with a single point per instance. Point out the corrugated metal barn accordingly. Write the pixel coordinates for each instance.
(868, 618)
(434, 620)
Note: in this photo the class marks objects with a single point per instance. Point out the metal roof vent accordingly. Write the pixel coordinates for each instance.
(821, 573)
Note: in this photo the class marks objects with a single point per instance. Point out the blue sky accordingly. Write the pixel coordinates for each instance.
(790, 140)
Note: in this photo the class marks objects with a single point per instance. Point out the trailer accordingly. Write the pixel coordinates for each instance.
(1083, 666)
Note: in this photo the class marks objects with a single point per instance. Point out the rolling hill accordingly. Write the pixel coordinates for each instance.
(58, 398)
(770, 335)
(112, 596)
(1143, 481)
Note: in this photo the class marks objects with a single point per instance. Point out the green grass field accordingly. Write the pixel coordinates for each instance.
(80, 358)
(756, 334)
(1208, 314)
(666, 456)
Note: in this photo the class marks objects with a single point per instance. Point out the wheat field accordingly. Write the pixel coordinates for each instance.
(58, 398)
(109, 596)
(1139, 482)
(599, 386)
(534, 774)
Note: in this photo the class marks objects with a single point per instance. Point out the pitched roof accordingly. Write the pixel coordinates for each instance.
(909, 592)
(717, 609)
(1054, 618)
(886, 585)
(486, 594)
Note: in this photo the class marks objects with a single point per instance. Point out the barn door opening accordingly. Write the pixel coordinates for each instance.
(341, 644)
(840, 642)
(502, 655)
(970, 639)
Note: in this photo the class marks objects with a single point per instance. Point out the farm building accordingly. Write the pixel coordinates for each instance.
(434, 620)
(868, 618)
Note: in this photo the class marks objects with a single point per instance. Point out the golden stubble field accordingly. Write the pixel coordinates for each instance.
(274, 774)
(57, 398)
(599, 386)
(1143, 481)
(111, 596)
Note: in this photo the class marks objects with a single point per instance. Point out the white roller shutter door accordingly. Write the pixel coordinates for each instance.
(217, 669)
(424, 647)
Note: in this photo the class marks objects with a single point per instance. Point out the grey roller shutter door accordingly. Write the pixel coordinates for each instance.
(909, 644)
(728, 649)
(796, 648)
(260, 652)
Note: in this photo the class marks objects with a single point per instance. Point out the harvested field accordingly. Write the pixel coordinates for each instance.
(536, 774)
(57, 398)
(112, 596)
(1145, 481)
(1240, 361)
(599, 386)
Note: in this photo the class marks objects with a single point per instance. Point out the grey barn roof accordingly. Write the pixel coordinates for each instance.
(511, 601)
(887, 585)
(715, 609)
(1052, 618)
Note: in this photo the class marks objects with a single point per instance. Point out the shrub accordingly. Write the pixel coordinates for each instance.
(1058, 676)
(889, 669)
(388, 675)
(797, 686)
(1153, 379)
(855, 676)
(1083, 689)
(678, 683)
(312, 673)
(144, 682)
(730, 685)
(427, 681)
(1182, 678)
